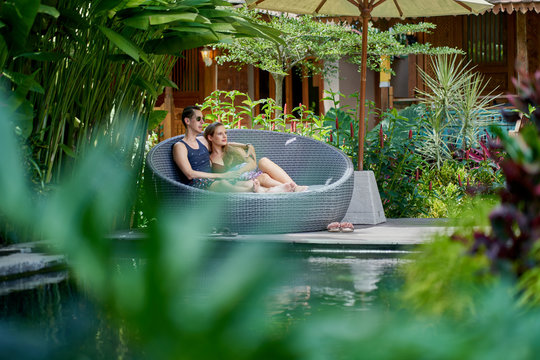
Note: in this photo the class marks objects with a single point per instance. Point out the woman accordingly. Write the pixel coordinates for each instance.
(224, 157)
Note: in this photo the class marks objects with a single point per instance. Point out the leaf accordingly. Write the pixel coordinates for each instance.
(49, 10)
(105, 5)
(121, 42)
(156, 117)
(167, 82)
(176, 44)
(43, 56)
(68, 151)
(23, 119)
(168, 18)
(3, 52)
(138, 22)
(24, 80)
(19, 16)
(145, 84)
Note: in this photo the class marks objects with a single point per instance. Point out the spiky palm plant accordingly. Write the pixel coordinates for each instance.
(453, 99)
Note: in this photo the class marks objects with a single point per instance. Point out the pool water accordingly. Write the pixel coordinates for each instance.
(52, 309)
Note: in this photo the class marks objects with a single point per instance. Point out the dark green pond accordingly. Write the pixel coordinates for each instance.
(47, 316)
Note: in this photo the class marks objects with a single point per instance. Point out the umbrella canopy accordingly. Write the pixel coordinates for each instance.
(384, 8)
(367, 9)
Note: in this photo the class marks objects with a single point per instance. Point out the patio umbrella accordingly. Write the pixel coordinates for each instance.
(367, 9)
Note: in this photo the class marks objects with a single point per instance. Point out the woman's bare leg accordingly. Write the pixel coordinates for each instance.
(267, 181)
(275, 175)
(274, 171)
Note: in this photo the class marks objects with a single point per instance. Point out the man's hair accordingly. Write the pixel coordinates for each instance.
(188, 112)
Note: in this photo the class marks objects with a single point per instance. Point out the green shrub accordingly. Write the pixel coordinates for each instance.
(236, 110)
(440, 279)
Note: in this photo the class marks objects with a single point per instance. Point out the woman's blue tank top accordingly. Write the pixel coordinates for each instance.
(199, 159)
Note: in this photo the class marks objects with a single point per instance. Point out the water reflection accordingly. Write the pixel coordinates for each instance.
(64, 317)
(349, 283)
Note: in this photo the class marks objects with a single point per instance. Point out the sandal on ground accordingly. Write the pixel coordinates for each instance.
(346, 227)
(334, 227)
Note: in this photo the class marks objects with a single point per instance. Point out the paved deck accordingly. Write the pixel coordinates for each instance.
(394, 233)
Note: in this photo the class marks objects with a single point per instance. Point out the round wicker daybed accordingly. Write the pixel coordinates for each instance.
(307, 161)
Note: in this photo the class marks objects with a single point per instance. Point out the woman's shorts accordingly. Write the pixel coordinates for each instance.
(248, 175)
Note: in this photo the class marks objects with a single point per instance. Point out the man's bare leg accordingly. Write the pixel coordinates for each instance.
(225, 186)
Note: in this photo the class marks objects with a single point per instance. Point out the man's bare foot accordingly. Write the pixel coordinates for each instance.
(287, 187)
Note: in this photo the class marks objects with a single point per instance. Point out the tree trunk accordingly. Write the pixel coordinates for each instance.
(278, 81)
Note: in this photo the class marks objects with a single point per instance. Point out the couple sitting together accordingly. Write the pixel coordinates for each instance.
(212, 163)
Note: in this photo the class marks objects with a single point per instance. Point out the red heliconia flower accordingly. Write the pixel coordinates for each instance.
(331, 138)
(430, 186)
(381, 137)
(337, 124)
(410, 134)
(273, 126)
(459, 179)
(239, 124)
(352, 129)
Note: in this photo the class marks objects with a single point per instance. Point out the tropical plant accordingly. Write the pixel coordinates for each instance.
(311, 46)
(73, 70)
(452, 99)
(224, 106)
(342, 120)
(391, 155)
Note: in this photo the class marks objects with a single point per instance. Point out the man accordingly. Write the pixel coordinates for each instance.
(193, 159)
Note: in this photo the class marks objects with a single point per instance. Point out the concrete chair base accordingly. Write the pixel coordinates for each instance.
(366, 206)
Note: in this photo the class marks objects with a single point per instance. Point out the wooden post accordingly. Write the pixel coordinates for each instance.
(384, 83)
(411, 83)
(168, 123)
(366, 14)
(522, 58)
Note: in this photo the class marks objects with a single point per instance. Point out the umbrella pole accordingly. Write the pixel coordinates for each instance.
(366, 14)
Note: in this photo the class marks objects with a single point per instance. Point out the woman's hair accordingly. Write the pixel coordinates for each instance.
(210, 131)
(232, 155)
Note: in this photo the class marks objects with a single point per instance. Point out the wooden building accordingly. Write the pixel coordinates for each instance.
(498, 43)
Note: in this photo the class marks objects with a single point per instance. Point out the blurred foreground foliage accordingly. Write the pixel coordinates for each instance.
(160, 314)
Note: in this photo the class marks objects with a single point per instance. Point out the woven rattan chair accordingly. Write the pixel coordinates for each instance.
(307, 161)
